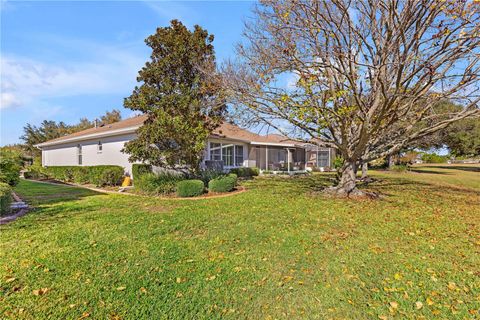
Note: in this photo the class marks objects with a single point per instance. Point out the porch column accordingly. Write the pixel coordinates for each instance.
(288, 160)
(266, 158)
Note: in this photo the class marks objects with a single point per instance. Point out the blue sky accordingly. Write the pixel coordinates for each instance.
(66, 60)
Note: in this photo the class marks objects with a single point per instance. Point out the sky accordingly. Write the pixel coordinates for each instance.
(64, 60)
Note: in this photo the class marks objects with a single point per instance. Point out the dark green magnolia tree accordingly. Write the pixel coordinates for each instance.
(181, 95)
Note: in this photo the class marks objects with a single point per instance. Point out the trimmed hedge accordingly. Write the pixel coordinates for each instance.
(223, 184)
(245, 172)
(209, 174)
(160, 183)
(104, 175)
(140, 169)
(5, 198)
(190, 188)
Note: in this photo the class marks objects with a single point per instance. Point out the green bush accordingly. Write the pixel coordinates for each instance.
(245, 172)
(5, 198)
(190, 188)
(209, 174)
(160, 183)
(434, 158)
(81, 175)
(139, 169)
(98, 175)
(35, 172)
(223, 184)
(338, 162)
(105, 175)
(10, 166)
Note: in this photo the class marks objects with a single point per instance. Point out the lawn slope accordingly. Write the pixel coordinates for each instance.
(279, 250)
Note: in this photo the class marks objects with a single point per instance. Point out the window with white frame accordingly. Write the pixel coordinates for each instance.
(79, 154)
(231, 154)
(99, 147)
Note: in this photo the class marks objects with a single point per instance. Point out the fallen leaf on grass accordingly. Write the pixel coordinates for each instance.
(143, 290)
(452, 286)
(121, 288)
(10, 280)
(84, 315)
(211, 278)
(429, 301)
(418, 305)
(394, 305)
(40, 292)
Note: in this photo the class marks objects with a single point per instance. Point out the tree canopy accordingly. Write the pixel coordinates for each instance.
(49, 130)
(361, 76)
(181, 96)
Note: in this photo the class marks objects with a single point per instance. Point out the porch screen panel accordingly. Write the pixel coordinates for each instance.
(227, 154)
(323, 160)
(238, 155)
(215, 151)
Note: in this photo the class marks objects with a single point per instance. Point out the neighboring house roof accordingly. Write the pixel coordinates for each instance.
(225, 131)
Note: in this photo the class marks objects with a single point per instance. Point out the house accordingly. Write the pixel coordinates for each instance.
(229, 145)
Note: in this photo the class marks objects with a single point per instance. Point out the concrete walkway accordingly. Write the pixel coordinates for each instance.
(19, 205)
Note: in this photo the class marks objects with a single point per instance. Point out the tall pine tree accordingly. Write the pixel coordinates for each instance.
(180, 94)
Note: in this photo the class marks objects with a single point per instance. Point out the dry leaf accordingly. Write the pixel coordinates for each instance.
(10, 280)
(211, 278)
(394, 305)
(40, 292)
(397, 276)
(429, 301)
(121, 288)
(143, 290)
(418, 305)
(452, 286)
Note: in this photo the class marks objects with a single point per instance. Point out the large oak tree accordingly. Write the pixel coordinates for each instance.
(363, 76)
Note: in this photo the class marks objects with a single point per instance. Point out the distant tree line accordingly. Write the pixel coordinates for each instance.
(50, 129)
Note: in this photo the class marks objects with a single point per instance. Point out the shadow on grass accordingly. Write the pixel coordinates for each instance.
(429, 171)
(38, 194)
(462, 168)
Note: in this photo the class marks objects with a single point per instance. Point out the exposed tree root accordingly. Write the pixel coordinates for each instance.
(340, 192)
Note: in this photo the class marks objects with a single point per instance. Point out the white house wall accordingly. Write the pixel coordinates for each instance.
(66, 154)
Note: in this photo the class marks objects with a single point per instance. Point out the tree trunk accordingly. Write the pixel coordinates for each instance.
(391, 162)
(364, 170)
(347, 184)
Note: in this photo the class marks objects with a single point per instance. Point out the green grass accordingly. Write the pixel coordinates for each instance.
(280, 250)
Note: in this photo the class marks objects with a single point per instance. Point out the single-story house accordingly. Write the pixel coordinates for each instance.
(229, 145)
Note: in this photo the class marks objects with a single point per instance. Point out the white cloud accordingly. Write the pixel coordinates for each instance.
(8, 100)
(111, 70)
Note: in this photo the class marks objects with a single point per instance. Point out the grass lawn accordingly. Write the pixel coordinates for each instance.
(279, 250)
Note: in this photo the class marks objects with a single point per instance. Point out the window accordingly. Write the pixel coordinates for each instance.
(323, 159)
(231, 154)
(227, 155)
(99, 147)
(238, 155)
(79, 154)
(215, 151)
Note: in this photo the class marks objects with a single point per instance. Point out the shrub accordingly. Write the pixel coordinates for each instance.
(105, 175)
(399, 168)
(10, 166)
(434, 158)
(223, 184)
(209, 174)
(98, 175)
(139, 169)
(245, 172)
(5, 197)
(190, 188)
(81, 175)
(35, 172)
(160, 183)
(338, 162)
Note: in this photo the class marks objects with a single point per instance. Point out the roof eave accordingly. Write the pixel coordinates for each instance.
(89, 136)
